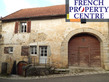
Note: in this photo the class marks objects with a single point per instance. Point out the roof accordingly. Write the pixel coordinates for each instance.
(37, 12)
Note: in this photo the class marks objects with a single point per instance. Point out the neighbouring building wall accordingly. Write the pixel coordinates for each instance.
(1, 41)
(51, 33)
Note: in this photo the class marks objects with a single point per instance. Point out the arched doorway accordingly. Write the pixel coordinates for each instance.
(20, 67)
(84, 50)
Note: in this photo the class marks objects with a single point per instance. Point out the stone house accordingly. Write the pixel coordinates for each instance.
(42, 36)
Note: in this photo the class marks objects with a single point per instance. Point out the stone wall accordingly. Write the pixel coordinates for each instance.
(0, 43)
(54, 33)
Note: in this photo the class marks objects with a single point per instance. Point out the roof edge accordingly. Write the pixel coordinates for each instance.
(37, 17)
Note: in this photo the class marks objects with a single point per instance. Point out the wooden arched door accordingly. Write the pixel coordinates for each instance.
(84, 50)
(20, 67)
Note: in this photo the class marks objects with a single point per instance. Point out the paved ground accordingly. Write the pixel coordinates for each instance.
(81, 78)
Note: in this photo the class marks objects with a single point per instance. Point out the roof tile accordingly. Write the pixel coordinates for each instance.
(37, 12)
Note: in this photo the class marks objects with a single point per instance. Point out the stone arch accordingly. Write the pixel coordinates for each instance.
(97, 34)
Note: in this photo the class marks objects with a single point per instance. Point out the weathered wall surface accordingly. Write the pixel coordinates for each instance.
(44, 32)
(1, 40)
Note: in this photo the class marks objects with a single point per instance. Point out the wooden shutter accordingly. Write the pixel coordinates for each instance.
(25, 51)
(16, 27)
(28, 26)
(6, 50)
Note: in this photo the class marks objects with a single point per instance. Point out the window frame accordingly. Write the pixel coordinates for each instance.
(33, 50)
(23, 29)
(42, 51)
(9, 50)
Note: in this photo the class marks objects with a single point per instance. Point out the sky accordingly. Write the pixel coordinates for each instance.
(9, 6)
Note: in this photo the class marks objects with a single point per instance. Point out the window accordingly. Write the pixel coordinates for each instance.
(10, 49)
(33, 49)
(23, 27)
(43, 50)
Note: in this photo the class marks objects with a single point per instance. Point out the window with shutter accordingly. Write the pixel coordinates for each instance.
(23, 27)
(25, 51)
(8, 50)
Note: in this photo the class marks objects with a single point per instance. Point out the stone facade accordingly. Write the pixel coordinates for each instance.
(55, 34)
(0, 43)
